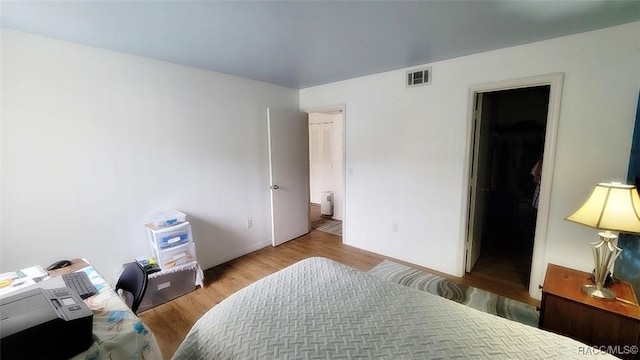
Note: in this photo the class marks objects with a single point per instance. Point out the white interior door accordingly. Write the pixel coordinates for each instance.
(478, 180)
(289, 172)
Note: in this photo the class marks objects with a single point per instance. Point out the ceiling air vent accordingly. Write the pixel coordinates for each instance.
(419, 77)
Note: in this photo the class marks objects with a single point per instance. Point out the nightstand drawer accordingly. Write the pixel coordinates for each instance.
(587, 324)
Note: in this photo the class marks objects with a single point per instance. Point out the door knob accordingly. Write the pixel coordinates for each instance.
(275, 187)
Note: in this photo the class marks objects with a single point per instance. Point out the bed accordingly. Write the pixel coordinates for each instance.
(320, 309)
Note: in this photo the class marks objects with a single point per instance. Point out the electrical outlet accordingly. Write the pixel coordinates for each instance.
(249, 223)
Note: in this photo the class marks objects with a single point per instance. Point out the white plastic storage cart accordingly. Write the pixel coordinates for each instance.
(172, 246)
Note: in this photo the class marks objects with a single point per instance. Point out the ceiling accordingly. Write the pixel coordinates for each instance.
(300, 44)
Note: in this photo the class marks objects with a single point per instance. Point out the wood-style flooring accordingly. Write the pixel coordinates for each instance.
(505, 263)
(171, 321)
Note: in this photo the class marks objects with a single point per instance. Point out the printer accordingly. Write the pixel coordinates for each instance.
(44, 323)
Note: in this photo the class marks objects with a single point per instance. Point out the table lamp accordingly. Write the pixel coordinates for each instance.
(612, 207)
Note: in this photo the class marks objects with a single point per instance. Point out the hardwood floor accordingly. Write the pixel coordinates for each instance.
(504, 265)
(171, 321)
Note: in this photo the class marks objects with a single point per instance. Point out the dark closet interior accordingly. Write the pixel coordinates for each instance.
(518, 124)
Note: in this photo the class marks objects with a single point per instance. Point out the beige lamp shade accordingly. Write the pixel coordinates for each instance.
(611, 206)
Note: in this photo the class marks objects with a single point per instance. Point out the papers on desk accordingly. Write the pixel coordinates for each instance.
(33, 272)
(16, 280)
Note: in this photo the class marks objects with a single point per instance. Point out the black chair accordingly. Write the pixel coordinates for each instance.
(133, 280)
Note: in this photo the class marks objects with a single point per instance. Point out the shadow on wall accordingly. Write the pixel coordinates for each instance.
(214, 241)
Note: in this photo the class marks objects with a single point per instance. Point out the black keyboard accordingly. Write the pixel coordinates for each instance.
(79, 281)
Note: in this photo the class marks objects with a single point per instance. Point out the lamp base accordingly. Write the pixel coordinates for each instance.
(593, 291)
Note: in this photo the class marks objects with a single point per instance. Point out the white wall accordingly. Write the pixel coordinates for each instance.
(407, 147)
(93, 141)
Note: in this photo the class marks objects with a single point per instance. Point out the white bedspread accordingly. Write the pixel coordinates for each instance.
(320, 309)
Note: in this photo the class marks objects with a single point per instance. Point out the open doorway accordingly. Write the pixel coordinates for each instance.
(326, 171)
(509, 145)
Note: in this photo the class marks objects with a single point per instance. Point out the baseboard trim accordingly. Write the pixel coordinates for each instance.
(235, 255)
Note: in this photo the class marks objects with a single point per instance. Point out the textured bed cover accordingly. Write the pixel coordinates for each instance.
(320, 309)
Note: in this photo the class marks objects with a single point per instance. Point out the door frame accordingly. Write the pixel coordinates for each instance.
(343, 109)
(554, 81)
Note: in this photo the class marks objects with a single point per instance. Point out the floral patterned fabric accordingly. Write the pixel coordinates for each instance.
(118, 333)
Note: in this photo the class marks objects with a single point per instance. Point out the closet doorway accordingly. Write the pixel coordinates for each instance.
(509, 143)
(326, 170)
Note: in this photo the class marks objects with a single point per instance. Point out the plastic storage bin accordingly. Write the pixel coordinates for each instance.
(169, 237)
(168, 218)
(172, 246)
(176, 256)
(166, 286)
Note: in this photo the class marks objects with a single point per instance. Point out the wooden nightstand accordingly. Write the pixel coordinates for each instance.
(566, 310)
